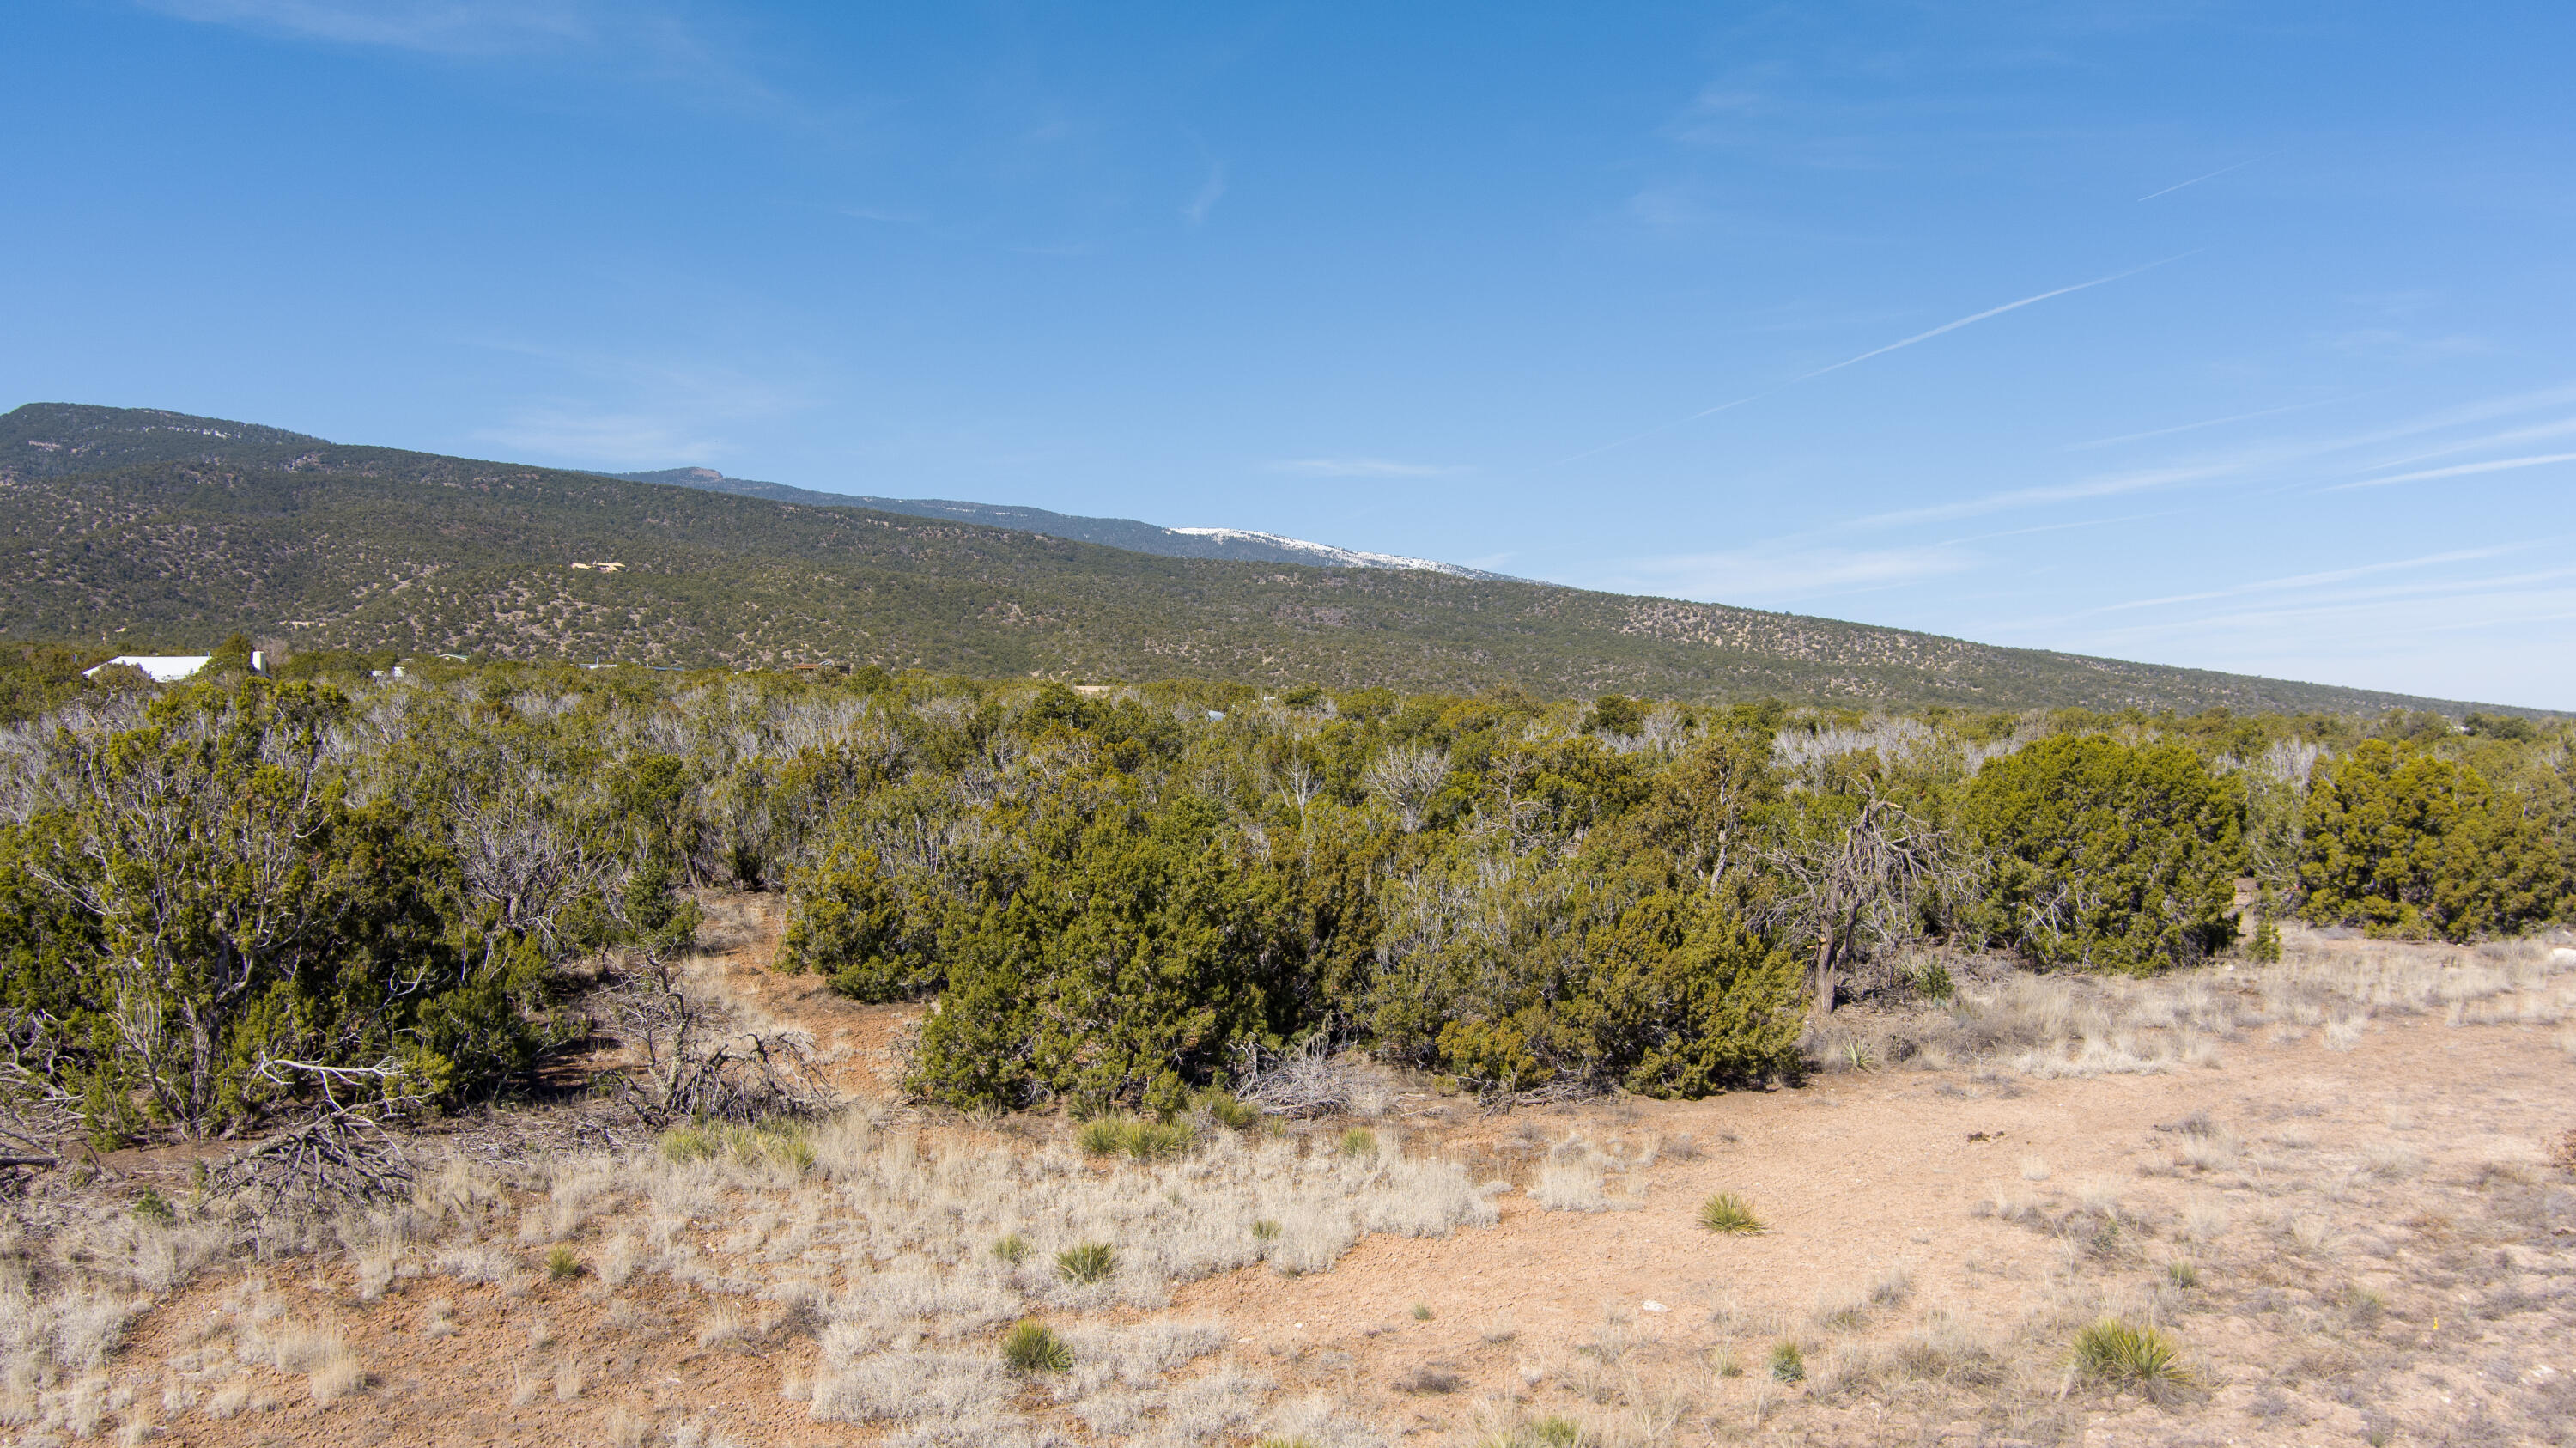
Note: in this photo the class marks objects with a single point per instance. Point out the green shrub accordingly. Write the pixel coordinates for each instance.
(1121, 966)
(1422, 1312)
(2183, 1272)
(1359, 1141)
(150, 1207)
(215, 873)
(686, 1144)
(2265, 947)
(1788, 1363)
(562, 1263)
(1012, 1248)
(1492, 1057)
(1672, 995)
(1143, 1140)
(2405, 843)
(1265, 1230)
(1931, 980)
(1032, 1347)
(1727, 1212)
(1159, 1140)
(1225, 1109)
(2105, 855)
(1087, 1262)
(847, 920)
(1553, 1431)
(2112, 1350)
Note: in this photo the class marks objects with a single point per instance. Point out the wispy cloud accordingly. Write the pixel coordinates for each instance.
(2410, 608)
(1899, 345)
(1779, 575)
(2157, 432)
(660, 40)
(1210, 191)
(452, 27)
(2301, 581)
(2407, 346)
(604, 438)
(616, 410)
(2403, 623)
(2462, 470)
(2277, 463)
(1362, 468)
(2510, 436)
(2111, 486)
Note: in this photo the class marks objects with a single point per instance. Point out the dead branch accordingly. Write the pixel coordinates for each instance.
(690, 1068)
(350, 1152)
(1300, 1081)
(35, 1111)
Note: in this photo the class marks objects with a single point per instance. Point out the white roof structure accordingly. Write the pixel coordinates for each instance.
(171, 668)
(159, 668)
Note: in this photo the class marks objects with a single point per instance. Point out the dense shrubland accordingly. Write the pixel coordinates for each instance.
(207, 890)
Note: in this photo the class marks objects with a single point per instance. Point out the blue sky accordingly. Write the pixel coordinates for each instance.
(2235, 336)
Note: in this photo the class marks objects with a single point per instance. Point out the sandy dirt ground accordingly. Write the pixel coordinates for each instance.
(2373, 1247)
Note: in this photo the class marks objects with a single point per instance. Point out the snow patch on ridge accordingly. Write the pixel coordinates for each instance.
(1326, 555)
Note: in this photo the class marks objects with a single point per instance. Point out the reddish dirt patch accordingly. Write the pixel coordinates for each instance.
(857, 1047)
(2390, 1174)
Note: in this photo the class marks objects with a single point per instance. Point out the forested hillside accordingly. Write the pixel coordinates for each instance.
(199, 528)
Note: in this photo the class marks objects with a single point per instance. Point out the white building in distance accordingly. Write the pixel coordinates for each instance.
(171, 668)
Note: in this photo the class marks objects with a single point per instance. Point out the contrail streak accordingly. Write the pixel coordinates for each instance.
(1873, 352)
(2461, 471)
(1981, 316)
(2196, 180)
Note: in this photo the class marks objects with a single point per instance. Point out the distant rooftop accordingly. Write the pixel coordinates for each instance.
(171, 668)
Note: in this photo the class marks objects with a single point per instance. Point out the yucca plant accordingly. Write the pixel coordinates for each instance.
(2112, 1350)
(1102, 1136)
(1032, 1347)
(1158, 1140)
(1727, 1212)
(1089, 1262)
(1226, 1110)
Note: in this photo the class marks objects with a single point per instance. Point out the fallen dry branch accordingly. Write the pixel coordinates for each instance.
(689, 1069)
(342, 1156)
(1300, 1081)
(347, 1153)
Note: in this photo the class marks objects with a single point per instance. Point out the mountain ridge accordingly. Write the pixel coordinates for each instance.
(1241, 544)
(331, 545)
